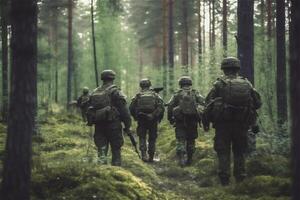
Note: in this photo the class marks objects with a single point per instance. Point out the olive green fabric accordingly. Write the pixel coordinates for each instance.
(231, 137)
(230, 62)
(109, 133)
(147, 121)
(146, 129)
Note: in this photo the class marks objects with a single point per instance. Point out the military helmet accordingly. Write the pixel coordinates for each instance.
(230, 62)
(108, 74)
(85, 90)
(145, 83)
(185, 80)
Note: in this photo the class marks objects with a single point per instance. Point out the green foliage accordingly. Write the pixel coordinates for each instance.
(65, 167)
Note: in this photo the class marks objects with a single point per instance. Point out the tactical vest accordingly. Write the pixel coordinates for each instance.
(187, 106)
(146, 102)
(236, 100)
(102, 104)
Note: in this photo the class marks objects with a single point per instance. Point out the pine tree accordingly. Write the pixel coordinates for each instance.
(23, 101)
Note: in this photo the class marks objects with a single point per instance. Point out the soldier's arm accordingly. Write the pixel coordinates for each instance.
(120, 103)
(160, 110)
(200, 99)
(132, 107)
(257, 103)
(171, 106)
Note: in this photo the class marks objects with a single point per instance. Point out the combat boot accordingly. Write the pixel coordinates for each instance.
(144, 156)
(189, 160)
(116, 158)
(224, 181)
(151, 156)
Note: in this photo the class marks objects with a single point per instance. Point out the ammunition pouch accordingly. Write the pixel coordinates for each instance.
(106, 114)
(178, 115)
(91, 115)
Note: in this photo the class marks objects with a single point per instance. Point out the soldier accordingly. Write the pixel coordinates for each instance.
(147, 108)
(183, 113)
(108, 110)
(231, 107)
(83, 102)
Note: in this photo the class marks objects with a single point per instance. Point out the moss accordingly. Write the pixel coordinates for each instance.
(264, 185)
(274, 165)
(82, 181)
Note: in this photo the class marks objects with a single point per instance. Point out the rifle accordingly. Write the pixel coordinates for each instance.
(133, 142)
(158, 89)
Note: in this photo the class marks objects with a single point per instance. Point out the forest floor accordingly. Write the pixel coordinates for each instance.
(65, 168)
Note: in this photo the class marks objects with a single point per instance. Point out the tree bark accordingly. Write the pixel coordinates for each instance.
(70, 52)
(225, 28)
(281, 63)
(185, 40)
(94, 44)
(4, 60)
(171, 47)
(23, 101)
(199, 32)
(246, 38)
(164, 49)
(295, 95)
(213, 37)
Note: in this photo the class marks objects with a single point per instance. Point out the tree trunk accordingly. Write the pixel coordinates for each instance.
(171, 47)
(281, 63)
(164, 49)
(199, 32)
(246, 38)
(185, 40)
(23, 101)
(4, 60)
(70, 52)
(55, 52)
(203, 31)
(210, 24)
(94, 44)
(213, 37)
(225, 28)
(295, 95)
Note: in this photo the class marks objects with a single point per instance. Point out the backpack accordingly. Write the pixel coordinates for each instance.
(187, 102)
(146, 102)
(101, 103)
(236, 98)
(236, 92)
(84, 101)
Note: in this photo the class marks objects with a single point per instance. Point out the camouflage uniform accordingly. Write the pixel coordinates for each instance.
(231, 134)
(185, 129)
(149, 123)
(110, 132)
(83, 103)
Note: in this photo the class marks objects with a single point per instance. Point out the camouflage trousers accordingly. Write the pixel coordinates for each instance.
(109, 134)
(144, 129)
(231, 137)
(185, 138)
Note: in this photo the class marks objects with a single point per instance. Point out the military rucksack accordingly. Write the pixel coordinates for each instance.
(187, 102)
(101, 103)
(236, 100)
(84, 101)
(146, 102)
(236, 92)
